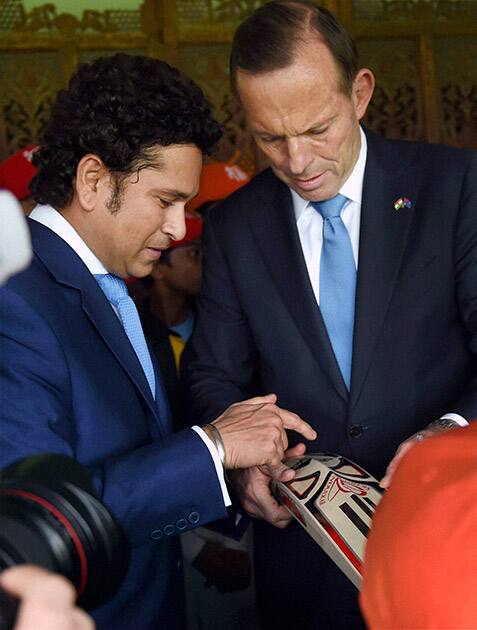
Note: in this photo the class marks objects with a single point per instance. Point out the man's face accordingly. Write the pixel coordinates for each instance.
(129, 240)
(304, 122)
(182, 273)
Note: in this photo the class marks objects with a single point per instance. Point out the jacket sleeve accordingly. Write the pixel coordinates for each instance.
(466, 280)
(172, 482)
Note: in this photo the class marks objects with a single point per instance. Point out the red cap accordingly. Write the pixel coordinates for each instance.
(17, 171)
(193, 230)
(420, 564)
(217, 181)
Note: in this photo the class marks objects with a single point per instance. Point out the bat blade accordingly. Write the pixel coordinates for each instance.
(334, 500)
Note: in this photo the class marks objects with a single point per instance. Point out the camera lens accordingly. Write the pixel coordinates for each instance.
(50, 516)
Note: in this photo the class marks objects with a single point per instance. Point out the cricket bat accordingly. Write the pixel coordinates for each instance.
(334, 500)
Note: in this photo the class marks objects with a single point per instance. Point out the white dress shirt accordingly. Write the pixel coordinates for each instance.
(309, 221)
(310, 229)
(56, 222)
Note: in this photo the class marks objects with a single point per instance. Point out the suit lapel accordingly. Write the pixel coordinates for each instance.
(384, 234)
(68, 269)
(277, 236)
(99, 311)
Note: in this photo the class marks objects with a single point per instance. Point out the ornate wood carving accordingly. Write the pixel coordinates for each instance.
(457, 74)
(395, 110)
(215, 11)
(208, 65)
(424, 54)
(407, 10)
(46, 18)
(29, 85)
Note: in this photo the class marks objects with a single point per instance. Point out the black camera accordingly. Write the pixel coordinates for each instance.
(50, 516)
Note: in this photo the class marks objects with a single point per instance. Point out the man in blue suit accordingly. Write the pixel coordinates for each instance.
(121, 156)
(344, 278)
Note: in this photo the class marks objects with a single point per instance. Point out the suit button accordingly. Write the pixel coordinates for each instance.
(194, 518)
(181, 524)
(355, 430)
(169, 529)
(156, 534)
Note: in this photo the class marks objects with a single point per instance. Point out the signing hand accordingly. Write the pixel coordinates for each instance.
(253, 488)
(254, 433)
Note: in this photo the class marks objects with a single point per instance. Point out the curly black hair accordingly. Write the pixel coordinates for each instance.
(118, 108)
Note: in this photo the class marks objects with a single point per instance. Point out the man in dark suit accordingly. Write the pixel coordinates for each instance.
(121, 156)
(361, 318)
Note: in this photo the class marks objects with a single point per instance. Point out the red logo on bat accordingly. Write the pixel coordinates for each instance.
(337, 485)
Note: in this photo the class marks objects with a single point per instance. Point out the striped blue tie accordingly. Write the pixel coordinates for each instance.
(337, 282)
(116, 291)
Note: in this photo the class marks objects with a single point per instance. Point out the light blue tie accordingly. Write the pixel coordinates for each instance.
(116, 291)
(337, 282)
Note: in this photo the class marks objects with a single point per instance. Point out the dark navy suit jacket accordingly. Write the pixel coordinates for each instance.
(71, 383)
(260, 330)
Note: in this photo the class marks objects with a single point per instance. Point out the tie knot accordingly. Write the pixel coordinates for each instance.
(330, 208)
(114, 288)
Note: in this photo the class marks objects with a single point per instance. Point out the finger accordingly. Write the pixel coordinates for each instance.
(284, 522)
(403, 448)
(275, 513)
(295, 423)
(280, 472)
(257, 498)
(386, 480)
(295, 451)
(284, 438)
(31, 581)
(47, 599)
(81, 620)
(259, 400)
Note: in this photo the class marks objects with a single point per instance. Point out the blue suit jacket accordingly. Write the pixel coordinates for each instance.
(71, 383)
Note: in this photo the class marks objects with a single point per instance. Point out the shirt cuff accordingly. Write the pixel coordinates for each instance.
(462, 422)
(217, 463)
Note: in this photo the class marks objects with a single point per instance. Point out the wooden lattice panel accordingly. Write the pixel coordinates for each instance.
(215, 11)
(405, 10)
(10, 14)
(208, 66)
(126, 21)
(423, 53)
(87, 56)
(29, 86)
(47, 18)
(456, 60)
(395, 110)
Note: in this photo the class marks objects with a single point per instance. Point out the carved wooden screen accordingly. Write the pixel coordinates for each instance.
(423, 52)
(424, 55)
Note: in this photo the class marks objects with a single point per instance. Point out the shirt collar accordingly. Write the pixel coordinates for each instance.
(56, 222)
(352, 188)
